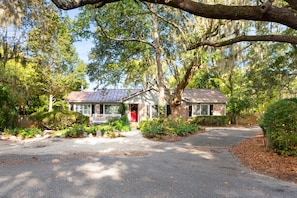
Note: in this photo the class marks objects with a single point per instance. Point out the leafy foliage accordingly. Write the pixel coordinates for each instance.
(8, 110)
(236, 106)
(75, 132)
(210, 120)
(158, 128)
(24, 133)
(280, 127)
(58, 119)
(121, 124)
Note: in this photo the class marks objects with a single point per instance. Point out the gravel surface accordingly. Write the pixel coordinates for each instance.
(197, 166)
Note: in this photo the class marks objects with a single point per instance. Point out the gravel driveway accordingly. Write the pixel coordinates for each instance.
(197, 166)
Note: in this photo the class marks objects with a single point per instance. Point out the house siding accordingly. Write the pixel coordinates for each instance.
(219, 109)
(149, 97)
(142, 112)
(146, 101)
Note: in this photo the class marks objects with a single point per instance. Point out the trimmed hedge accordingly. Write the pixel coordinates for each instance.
(58, 119)
(210, 120)
(279, 125)
(158, 128)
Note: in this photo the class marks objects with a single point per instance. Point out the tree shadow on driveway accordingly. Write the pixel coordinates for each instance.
(181, 169)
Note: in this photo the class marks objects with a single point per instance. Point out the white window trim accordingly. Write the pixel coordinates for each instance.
(150, 111)
(200, 107)
(104, 112)
(82, 105)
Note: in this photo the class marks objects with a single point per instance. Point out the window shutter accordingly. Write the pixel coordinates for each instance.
(190, 110)
(101, 109)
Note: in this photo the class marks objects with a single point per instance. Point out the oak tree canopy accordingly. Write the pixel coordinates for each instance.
(278, 11)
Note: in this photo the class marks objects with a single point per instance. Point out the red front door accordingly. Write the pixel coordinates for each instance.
(134, 112)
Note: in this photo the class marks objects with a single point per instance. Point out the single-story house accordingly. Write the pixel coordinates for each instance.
(103, 104)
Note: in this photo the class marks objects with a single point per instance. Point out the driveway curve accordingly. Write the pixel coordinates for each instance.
(197, 166)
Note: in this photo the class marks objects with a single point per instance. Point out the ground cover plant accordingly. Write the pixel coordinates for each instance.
(109, 129)
(280, 127)
(120, 124)
(161, 127)
(23, 133)
(79, 131)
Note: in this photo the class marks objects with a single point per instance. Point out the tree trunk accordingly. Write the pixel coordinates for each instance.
(176, 98)
(51, 102)
(176, 110)
(160, 72)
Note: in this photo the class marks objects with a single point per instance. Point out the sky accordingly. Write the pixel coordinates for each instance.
(83, 47)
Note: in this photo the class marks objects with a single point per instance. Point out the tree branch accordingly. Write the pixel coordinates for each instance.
(272, 38)
(172, 24)
(122, 40)
(292, 3)
(285, 16)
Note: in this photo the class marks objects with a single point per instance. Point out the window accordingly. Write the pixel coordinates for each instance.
(85, 109)
(201, 109)
(155, 111)
(152, 111)
(111, 109)
(196, 110)
(204, 109)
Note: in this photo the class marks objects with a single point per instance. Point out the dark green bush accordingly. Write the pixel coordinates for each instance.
(75, 132)
(24, 133)
(58, 119)
(279, 125)
(153, 128)
(158, 128)
(210, 120)
(120, 124)
(8, 111)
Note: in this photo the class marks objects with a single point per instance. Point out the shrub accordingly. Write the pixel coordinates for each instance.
(91, 129)
(58, 119)
(24, 133)
(29, 132)
(121, 124)
(8, 111)
(158, 128)
(75, 132)
(280, 127)
(153, 128)
(14, 131)
(210, 120)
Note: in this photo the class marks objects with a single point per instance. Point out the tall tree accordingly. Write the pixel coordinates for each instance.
(279, 11)
(57, 60)
(28, 41)
(131, 35)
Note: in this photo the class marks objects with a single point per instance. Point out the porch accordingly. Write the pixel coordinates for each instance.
(103, 118)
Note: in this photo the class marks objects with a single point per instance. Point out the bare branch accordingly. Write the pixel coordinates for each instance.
(272, 38)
